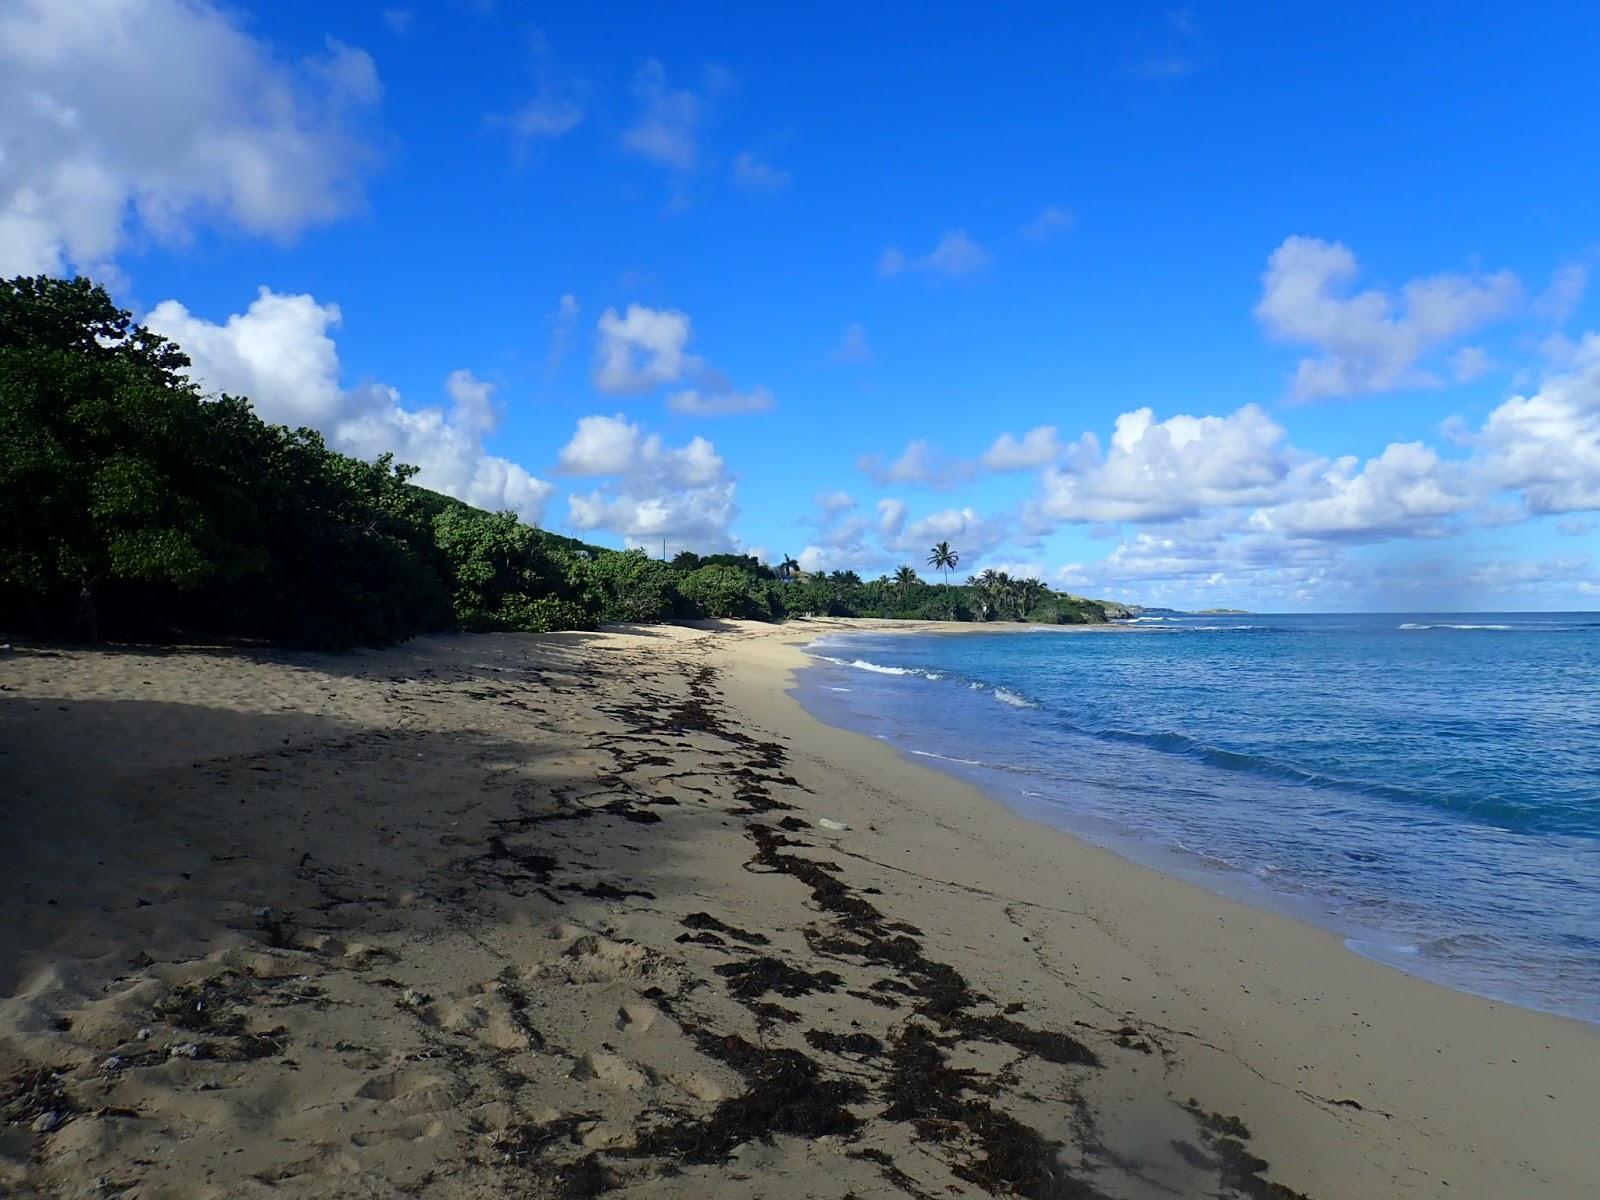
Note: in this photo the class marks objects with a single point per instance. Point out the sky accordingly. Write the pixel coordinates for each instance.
(1281, 307)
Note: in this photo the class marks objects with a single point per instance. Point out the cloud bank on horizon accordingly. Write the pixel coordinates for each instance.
(1215, 397)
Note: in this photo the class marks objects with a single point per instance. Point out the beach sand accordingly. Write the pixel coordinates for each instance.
(556, 916)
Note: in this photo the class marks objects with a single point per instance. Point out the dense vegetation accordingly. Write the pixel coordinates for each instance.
(133, 507)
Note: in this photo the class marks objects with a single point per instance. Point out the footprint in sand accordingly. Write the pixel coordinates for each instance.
(412, 1092)
(611, 1070)
(637, 1019)
(697, 1086)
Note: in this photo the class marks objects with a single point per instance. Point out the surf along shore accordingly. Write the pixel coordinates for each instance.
(555, 916)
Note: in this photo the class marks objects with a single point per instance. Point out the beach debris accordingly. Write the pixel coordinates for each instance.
(114, 1063)
(828, 823)
(412, 998)
(145, 1034)
(184, 1050)
(48, 1122)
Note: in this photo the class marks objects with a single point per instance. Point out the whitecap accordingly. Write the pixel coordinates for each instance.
(862, 664)
(971, 762)
(1009, 697)
(1447, 625)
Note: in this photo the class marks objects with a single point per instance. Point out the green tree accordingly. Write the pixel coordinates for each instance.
(905, 578)
(942, 558)
(108, 472)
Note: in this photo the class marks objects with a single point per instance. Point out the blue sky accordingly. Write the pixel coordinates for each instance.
(781, 279)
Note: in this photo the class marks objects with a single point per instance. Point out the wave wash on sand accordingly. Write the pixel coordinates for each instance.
(558, 916)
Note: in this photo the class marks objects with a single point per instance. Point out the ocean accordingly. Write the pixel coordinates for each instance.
(1426, 785)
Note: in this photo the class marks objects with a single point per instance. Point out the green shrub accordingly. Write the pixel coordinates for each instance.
(720, 591)
(547, 614)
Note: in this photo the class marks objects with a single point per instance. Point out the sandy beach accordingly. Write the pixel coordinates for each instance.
(610, 914)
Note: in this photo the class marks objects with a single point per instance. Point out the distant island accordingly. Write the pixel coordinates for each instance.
(1225, 612)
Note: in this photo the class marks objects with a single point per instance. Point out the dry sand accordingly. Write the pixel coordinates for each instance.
(554, 916)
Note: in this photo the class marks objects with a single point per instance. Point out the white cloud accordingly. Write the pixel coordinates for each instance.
(1547, 446)
(648, 348)
(667, 129)
(279, 353)
(955, 256)
(683, 495)
(1049, 223)
(712, 402)
(474, 401)
(399, 20)
(1566, 288)
(753, 175)
(642, 350)
(544, 116)
(835, 502)
(1404, 492)
(562, 322)
(1160, 470)
(919, 462)
(129, 118)
(553, 110)
(1470, 363)
(853, 347)
(968, 533)
(1371, 341)
(1036, 448)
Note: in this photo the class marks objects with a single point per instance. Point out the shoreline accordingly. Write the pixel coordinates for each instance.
(514, 914)
(1225, 881)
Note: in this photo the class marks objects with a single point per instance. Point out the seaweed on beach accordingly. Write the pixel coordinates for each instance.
(1225, 1153)
(786, 1092)
(706, 921)
(858, 1045)
(755, 977)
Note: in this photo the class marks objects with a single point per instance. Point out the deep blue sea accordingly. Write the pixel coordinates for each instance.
(1427, 785)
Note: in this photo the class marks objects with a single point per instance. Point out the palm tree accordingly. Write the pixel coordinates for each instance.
(942, 558)
(788, 567)
(904, 578)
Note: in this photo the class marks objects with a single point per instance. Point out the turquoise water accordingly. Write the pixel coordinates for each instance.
(1427, 785)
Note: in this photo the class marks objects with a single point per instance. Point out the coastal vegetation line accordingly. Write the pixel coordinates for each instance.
(143, 509)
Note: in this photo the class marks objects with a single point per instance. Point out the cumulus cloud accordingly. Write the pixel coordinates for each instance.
(474, 401)
(841, 537)
(1370, 341)
(279, 353)
(129, 118)
(647, 348)
(955, 256)
(835, 502)
(919, 462)
(667, 128)
(1036, 448)
(1546, 446)
(643, 349)
(653, 491)
(1406, 491)
(1161, 470)
(964, 528)
(753, 175)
